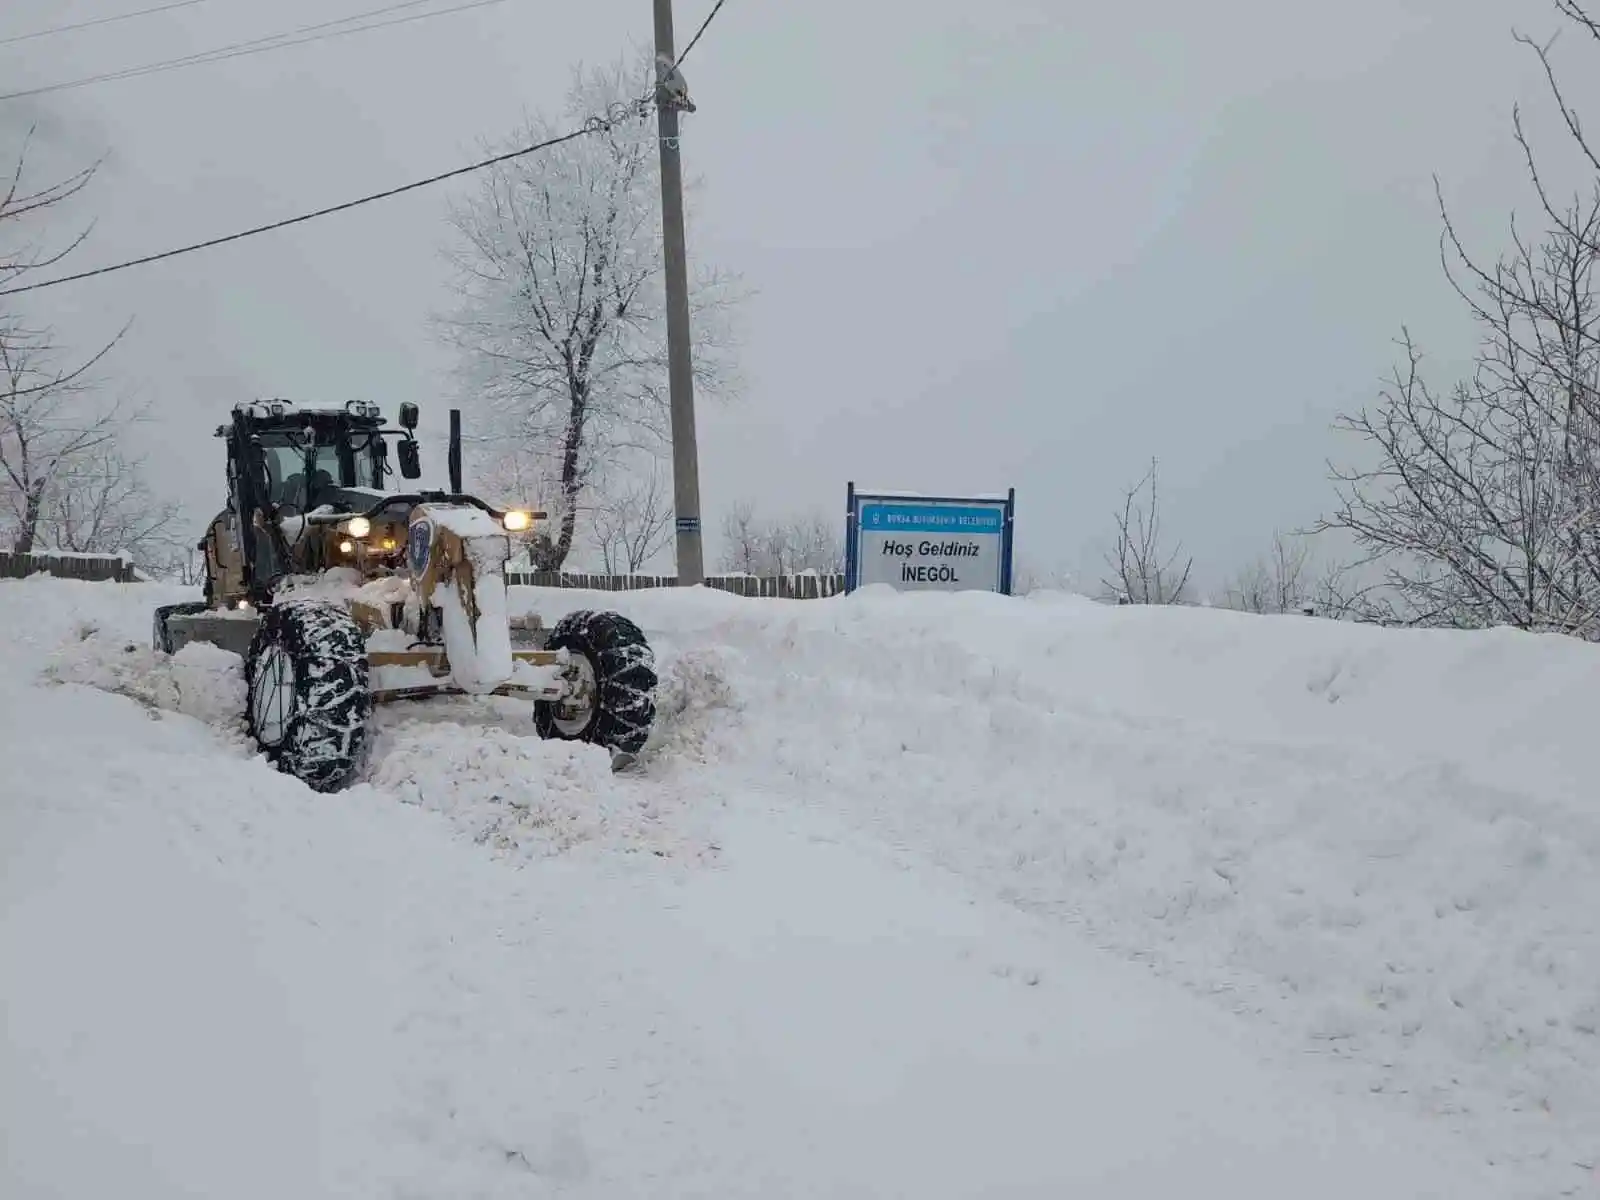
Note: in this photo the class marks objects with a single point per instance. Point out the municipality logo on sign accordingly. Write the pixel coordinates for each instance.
(418, 545)
(916, 518)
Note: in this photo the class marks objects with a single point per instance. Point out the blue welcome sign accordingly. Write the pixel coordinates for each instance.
(929, 543)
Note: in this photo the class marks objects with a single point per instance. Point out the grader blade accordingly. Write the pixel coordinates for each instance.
(231, 629)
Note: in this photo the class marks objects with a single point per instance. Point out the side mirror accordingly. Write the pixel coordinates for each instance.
(408, 419)
(410, 456)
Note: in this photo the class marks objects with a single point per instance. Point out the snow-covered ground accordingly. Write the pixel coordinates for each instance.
(916, 895)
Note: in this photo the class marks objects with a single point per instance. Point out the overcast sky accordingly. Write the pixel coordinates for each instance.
(1026, 243)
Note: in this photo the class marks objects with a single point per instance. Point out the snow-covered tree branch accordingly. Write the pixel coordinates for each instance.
(560, 321)
(1482, 502)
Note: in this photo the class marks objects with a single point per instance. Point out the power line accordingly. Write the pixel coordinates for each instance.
(143, 12)
(711, 16)
(262, 45)
(593, 125)
(614, 116)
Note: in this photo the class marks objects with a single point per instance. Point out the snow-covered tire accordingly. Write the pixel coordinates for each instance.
(312, 724)
(623, 668)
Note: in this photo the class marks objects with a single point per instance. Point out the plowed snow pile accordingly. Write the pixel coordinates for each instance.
(477, 762)
(1383, 844)
(851, 928)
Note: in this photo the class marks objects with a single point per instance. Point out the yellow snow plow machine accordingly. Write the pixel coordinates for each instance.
(340, 594)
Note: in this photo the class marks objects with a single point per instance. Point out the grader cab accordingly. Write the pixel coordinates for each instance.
(340, 594)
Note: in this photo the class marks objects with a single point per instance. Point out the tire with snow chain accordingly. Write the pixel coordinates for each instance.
(617, 669)
(308, 700)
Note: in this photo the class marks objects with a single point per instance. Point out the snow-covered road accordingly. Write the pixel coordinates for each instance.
(861, 926)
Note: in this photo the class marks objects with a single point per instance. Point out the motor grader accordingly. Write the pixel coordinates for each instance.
(340, 594)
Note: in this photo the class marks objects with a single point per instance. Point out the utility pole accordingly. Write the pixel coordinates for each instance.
(670, 96)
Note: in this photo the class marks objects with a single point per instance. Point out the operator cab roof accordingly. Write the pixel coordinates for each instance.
(270, 415)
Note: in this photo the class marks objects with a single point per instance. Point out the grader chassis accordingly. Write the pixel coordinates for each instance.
(340, 595)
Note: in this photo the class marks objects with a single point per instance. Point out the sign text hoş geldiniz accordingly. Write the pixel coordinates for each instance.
(917, 543)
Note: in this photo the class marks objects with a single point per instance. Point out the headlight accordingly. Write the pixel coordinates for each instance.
(358, 527)
(516, 520)
(346, 546)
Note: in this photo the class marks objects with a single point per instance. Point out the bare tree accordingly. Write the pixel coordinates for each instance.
(560, 323)
(1278, 582)
(44, 430)
(22, 206)
(777, 548)
(783, 547)
(65, 484)
(184, 565)
(1483, 504)
(65, 481)
(814, 543)
(632, 519)
(102, 505)
(1142, 572)
(1340, 592)
(741, 540)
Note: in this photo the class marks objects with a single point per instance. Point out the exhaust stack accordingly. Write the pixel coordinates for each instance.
(454, 458)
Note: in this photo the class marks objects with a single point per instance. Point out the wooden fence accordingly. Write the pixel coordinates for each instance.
(777, 587)
(97, 568)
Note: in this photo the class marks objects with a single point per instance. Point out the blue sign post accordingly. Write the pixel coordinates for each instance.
(929, 543)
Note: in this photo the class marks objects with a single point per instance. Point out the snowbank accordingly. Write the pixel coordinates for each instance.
(1384, 845)
(829, 939)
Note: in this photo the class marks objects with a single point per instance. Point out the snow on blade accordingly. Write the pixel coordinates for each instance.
(467, 521)
(480, 650)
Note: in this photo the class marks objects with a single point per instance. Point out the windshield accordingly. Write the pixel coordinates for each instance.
(286, 471)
